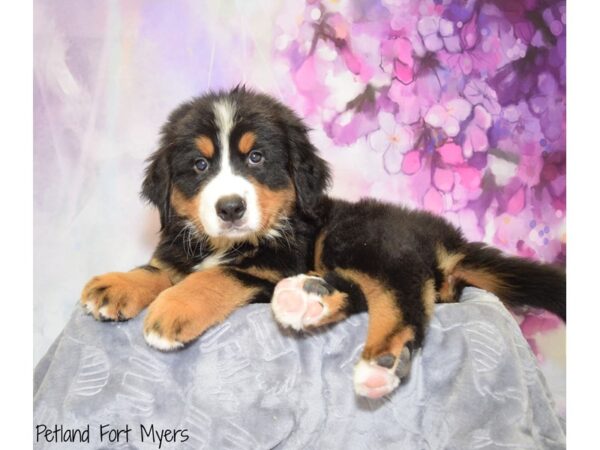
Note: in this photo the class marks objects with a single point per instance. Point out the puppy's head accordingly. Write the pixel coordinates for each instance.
(236, 165)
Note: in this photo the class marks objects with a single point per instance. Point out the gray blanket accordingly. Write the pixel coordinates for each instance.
(247, 384)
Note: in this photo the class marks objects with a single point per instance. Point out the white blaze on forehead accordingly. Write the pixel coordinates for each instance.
(224, 119)
(226, 182)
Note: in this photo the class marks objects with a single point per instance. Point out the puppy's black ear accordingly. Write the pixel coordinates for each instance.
(156, 187)
(310, 173)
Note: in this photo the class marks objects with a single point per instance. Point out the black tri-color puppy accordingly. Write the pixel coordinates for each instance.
(245, 218)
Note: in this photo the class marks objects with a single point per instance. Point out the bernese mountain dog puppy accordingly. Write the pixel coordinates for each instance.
(245, 218)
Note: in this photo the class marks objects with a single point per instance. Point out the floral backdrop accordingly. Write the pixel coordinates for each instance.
(463, 100)
(455, 106)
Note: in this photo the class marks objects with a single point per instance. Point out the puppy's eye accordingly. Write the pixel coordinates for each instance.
(200, 164)
(255, 157)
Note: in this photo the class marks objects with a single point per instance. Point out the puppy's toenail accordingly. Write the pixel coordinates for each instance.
(386, 361)
(404, 363)
(317, 286)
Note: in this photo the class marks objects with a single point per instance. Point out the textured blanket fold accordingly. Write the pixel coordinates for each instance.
(247, 384)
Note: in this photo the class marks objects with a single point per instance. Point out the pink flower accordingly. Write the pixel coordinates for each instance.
(399, 53)
(411, 162)
(347, 127)
(451, 153)
(443, 179)
(470, 177)
(531, 164)
(433, 201)
(516, 203)
(409, 104)
(306, 76)
(449, 115)
(476, 132)
(403, 65)
(352, 61)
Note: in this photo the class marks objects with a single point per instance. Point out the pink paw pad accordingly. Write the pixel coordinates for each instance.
(290, 301)
(373, 381)
(296, 307)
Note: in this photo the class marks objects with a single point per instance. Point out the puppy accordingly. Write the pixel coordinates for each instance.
(245, 219)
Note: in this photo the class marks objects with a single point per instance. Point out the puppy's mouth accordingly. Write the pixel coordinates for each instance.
(237, 229)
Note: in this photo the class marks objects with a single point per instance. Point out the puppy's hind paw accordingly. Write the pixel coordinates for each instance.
(380, 376)
(304, 301)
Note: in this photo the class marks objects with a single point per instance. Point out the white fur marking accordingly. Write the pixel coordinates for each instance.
(160, 343)
(87, 308)
(214, 260)
(364, 370)
(225, 183)
(103, 312)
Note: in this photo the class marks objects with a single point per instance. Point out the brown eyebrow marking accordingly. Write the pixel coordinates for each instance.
(247, 141)
(205, 145)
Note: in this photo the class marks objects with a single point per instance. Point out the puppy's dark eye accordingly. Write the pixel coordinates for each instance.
(255, 157)
(201, 164)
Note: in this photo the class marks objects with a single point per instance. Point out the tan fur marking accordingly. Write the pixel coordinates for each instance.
(247, 141)
(447, 292)
(199, 301)
(428, 295)
(174, 275)
(447, 263)
(335, 304)
(205, 145)
(481, 279)
(184, 206)
(264, 274)
(274, 205)
(384, 314)
(319, 251)
(400, 339)
(122, 295)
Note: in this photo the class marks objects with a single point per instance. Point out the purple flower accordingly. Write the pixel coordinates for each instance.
(438, 33)
(393, 139)
(478, 92)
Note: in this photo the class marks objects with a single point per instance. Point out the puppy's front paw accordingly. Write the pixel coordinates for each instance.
(116, 296)
(306, 301)
(380, 376)
(169, 322)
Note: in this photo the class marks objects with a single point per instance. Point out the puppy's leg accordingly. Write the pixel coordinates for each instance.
(183, 312)
(396, 329)
(396, 322)
(122, 295)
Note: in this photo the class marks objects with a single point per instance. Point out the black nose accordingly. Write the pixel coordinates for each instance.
(231, 208)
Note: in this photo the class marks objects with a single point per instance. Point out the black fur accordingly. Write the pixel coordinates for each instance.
(391, 243)
(157, 184)
(525, 282)
(310, 173)
(397, 247)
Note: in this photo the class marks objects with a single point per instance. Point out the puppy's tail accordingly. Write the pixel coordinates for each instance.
(515, 281)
